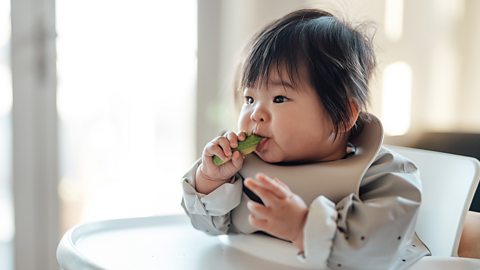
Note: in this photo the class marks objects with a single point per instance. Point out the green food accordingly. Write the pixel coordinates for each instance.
(245, 147)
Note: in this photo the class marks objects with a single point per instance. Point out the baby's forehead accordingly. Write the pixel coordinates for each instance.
(288, 77)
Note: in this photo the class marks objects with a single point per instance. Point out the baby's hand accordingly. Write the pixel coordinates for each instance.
(222, 147)
(284, 213)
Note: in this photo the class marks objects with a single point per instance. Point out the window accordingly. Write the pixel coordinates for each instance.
(397, 92)
(126, 103)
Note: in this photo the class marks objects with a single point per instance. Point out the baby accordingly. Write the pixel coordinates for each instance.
(320, 177)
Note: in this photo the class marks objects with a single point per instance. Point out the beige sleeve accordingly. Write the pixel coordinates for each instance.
(210, 213)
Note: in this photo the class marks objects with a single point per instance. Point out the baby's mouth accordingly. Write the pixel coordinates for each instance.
(262, 145)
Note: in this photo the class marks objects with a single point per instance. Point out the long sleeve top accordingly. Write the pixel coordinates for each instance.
(361, 209)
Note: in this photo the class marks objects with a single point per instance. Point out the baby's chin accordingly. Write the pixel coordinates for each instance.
(269, 158)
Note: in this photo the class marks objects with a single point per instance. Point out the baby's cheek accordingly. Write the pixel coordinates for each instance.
(243, 123)
(291, 131)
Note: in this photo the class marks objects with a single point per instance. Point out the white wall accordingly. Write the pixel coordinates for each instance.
(469, 37)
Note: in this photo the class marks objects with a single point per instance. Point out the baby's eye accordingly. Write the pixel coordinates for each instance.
(248, 100)
(280, 99)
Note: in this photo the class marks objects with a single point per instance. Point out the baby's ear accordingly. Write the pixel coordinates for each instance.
(354, 113)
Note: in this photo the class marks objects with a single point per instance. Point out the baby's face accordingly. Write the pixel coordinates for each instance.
(294, 123)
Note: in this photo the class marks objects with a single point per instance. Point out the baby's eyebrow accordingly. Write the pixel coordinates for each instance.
(282, 83)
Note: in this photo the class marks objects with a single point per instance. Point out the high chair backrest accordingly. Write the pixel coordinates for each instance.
(448, 183)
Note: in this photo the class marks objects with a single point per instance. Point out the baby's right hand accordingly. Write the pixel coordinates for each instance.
(222, 147)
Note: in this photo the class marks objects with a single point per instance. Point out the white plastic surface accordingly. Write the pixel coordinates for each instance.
(170, 242)
(449, 183)
(283, 252)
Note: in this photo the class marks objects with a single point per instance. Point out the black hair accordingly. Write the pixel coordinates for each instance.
(338, 58)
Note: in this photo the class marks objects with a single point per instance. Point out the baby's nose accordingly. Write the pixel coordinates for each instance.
(259, 114)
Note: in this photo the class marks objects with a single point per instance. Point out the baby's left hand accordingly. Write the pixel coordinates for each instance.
(284, 212)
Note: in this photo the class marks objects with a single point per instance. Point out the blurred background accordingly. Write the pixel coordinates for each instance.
(105, 104)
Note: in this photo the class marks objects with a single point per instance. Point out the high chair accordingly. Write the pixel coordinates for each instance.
(170, 242)
(448, 184)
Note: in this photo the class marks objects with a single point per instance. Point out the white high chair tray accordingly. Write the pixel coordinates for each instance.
(170, 242)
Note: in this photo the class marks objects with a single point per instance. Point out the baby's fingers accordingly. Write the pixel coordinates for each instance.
(237, 160)
(232, 138)
(281, 183)
(258, 223)
(218, 147)
(273, 185)
(265, 194)
(258, 210)
(225, 144)
(242, 135)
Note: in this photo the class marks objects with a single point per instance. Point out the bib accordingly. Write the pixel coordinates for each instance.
(333, 179)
